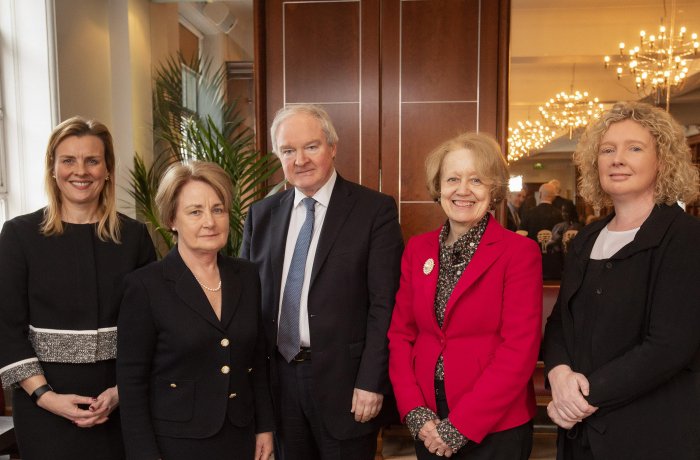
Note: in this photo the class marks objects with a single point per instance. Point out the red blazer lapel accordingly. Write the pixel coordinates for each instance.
(490, 248)
(430, 250)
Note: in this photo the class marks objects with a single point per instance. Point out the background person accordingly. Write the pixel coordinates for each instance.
(559, 201)
(621, 346)
(329, 254)
(61, 272)
(515, 200)
(192, 358)
(544, 216)
(467, 324)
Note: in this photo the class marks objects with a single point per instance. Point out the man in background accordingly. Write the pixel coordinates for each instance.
(559, 201)
(515, 200)
(543, 216)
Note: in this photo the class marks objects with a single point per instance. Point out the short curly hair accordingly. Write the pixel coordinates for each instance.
(677, 179)
(490, 164)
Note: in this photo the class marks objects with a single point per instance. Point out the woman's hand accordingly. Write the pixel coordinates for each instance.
(66, 406)
(568, 391)
(104, 405)
(556, 418)
(432, 440)
(263, 445)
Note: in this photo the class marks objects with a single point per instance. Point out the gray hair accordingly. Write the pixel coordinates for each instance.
(306, 109)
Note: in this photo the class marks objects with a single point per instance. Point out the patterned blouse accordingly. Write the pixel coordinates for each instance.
(453, 261)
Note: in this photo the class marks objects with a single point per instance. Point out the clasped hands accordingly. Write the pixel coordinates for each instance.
(432, 440)
(67, 406)
(568, 405)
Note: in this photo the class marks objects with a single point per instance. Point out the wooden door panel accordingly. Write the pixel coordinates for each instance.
(438, 51)
(322, 52)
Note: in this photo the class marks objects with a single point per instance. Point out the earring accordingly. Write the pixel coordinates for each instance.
(53, 176)
(174, 229)
(107, 178)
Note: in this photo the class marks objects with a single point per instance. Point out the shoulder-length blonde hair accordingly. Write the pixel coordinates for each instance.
(677, 178)
(108, 228)
(490, 164)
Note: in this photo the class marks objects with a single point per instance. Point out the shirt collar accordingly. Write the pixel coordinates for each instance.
(322, 196)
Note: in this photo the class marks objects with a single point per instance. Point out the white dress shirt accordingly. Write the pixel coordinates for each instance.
(322, 197)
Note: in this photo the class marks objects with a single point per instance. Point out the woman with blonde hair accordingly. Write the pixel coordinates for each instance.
(621, 347)
(467, 324)
(61, 273)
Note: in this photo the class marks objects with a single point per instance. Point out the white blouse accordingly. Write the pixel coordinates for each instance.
(609, 242)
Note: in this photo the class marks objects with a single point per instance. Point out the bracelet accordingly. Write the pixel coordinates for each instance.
(40, 391)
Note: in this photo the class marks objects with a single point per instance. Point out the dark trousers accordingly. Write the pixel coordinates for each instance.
(512, 444)
(303, 435)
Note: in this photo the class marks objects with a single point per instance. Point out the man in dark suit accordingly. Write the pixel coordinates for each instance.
(543, 216)
(329, 255)
(515, 200)
(559, 202)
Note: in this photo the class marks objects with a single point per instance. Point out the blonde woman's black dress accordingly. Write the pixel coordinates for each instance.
(58, 315)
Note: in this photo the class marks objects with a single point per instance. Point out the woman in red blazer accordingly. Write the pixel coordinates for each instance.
(466, 327)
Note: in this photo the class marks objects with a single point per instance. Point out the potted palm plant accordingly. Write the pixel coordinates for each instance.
(193, 121)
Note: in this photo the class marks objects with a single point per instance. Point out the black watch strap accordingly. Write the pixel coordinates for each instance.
(40, 391)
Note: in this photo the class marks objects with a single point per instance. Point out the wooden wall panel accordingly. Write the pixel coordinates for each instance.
(346, 119)
(327, 53)
(321, 64)
(438, 50)
(421, 215)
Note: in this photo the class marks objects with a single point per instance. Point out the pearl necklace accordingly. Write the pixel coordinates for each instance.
(207, 288)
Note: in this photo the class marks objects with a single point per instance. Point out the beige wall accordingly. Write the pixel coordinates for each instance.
(104, 72)
(84, 67)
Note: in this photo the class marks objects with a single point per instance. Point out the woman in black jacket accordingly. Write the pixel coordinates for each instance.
(192, 368)
(61, 276)
(622, 344)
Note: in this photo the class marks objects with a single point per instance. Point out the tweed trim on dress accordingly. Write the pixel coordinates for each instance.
(64, 346)
(19, 371)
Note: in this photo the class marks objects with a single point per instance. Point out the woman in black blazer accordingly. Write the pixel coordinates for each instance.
(192, 367)
(622, 344)
(61, 284)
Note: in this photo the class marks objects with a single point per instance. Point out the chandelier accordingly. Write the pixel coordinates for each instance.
(527, 136)
(659, 65)
(571, 111)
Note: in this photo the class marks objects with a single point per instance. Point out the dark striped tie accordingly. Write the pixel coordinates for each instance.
(289, 342)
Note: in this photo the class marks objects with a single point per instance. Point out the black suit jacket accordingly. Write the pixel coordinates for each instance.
(354, 281)
(510, 221)
(171, 355)
(645, 374)
(542, 217)
(560, 201)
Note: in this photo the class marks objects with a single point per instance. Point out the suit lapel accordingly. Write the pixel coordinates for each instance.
(339, 207)
(279, 220)
(431, 250)
(230, 290)
(490, 248)
(187, 288)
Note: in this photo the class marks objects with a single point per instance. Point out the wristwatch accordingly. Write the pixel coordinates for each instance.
(40, 391)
